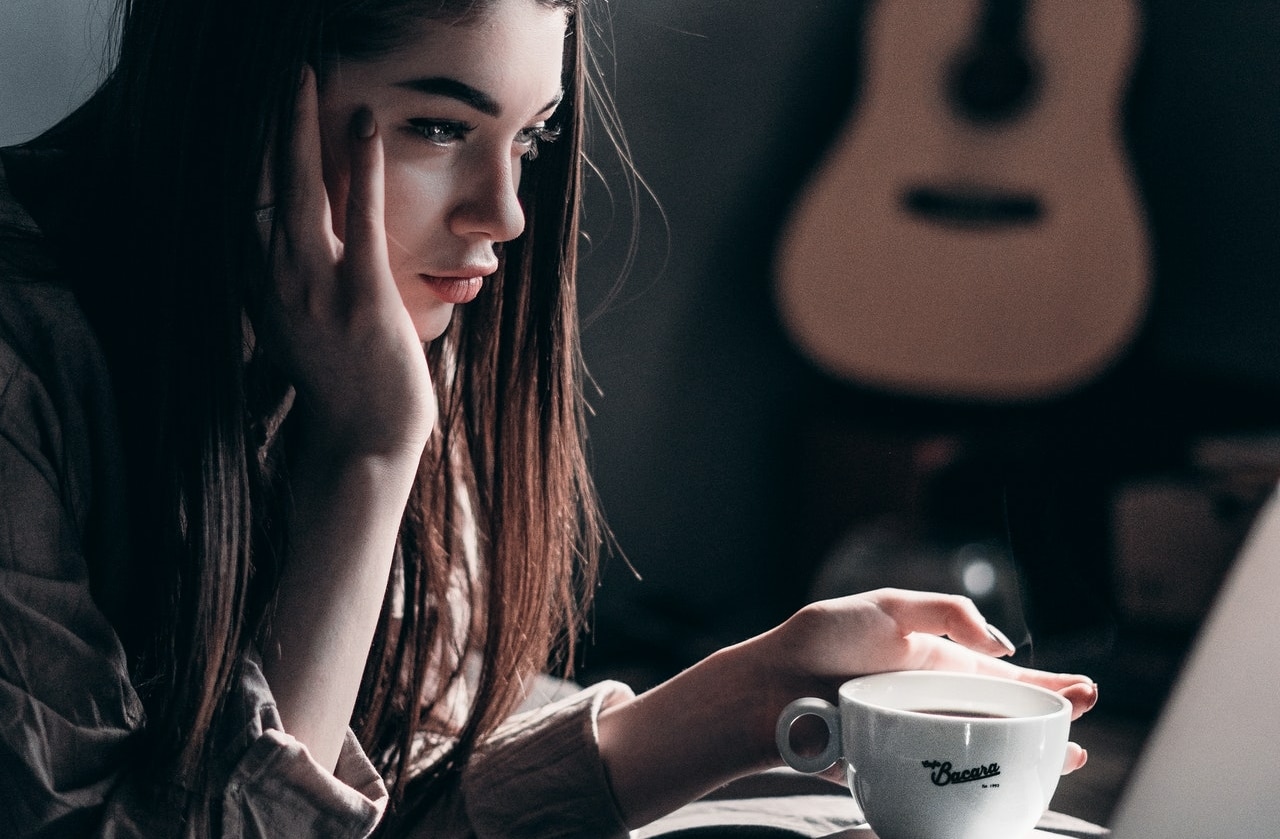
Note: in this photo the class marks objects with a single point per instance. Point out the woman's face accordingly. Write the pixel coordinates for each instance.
(458, 108)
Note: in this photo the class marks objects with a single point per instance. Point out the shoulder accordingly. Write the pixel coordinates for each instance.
(12, 213)
(44, 332)
(42, 327)
(55, 397)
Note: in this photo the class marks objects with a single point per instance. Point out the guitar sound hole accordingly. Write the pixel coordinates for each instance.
(993, 84)
(972, 207)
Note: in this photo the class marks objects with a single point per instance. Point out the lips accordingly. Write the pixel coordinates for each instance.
(456, 290)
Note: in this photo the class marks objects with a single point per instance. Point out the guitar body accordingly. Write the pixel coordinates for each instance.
(993, 260)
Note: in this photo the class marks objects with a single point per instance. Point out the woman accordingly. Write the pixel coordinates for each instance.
(271, 568)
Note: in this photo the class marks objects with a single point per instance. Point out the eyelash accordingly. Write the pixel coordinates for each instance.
(537, 136)
(444, 132)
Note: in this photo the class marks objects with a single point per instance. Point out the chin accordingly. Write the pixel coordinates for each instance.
(432, 324)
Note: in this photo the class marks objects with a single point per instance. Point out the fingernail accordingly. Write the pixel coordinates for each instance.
(1087, 701)
(1001, 639)
(362, 124)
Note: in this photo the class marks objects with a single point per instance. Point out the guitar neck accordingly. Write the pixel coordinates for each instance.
(1003, 23)
(995, 78)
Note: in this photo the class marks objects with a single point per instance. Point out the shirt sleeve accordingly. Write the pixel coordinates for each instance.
(69, 715)
(539, 776)
(275, 788)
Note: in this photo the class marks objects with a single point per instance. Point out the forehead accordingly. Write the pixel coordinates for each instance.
(508, 45)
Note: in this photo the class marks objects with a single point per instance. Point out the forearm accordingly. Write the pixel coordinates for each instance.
(346, 518)
(705, 727)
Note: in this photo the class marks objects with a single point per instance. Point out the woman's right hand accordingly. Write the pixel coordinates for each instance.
(334, 319)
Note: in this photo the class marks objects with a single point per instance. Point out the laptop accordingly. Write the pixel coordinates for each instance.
(1211, 765)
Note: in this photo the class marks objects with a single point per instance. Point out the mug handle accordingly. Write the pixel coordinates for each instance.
(823, 710)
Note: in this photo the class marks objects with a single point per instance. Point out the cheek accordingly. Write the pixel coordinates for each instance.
(414, 211)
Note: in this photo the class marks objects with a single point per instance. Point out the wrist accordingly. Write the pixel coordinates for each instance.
(684, 738)
(766, 684)
(777, 658)
(348, 439)
(744, 684)
(321, 454)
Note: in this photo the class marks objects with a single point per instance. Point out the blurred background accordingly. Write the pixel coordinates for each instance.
(855, 218)
(744, 475)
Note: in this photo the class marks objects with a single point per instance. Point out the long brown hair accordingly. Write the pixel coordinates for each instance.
(169, 152)
(509, 377)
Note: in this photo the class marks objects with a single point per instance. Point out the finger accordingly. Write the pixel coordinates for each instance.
(364, 238)
(1082, 696)
(929, 652)
(266, 177)
(306, 204)
(264, 214)
(835, 774)
(1076, 757)
(1080, 691)
(951, 615)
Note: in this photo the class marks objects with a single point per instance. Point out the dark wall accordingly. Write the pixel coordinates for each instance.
(729, 466)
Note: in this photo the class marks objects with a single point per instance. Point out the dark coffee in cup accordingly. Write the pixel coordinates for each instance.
(949, 712)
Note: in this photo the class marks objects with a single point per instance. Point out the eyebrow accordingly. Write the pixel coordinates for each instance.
(465, 93)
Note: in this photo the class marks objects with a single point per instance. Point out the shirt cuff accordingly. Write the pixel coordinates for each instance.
(278, 789)
(274, 787)
(541, 774)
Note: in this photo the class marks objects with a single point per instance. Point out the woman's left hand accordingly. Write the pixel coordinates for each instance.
(715, 721)
(828, 642)
(834, 640)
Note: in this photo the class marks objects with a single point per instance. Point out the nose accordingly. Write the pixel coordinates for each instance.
(489, 203)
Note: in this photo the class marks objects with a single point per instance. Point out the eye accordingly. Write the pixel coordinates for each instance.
(535, 135)
(441, 132)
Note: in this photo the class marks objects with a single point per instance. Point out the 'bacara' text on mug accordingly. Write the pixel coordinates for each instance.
(941, 755)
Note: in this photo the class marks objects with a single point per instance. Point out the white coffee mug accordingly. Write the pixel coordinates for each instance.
(936, 755)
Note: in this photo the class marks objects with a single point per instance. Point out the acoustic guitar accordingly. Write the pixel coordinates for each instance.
(974, 231)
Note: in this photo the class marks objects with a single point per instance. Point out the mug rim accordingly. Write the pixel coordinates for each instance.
(847, 695)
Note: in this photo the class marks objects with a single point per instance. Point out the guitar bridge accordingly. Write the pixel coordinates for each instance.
(972, 207)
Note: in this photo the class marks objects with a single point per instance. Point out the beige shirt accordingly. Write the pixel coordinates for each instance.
(69, 715)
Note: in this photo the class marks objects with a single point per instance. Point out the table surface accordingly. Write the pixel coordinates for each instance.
(864, 832)
(808, 815)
